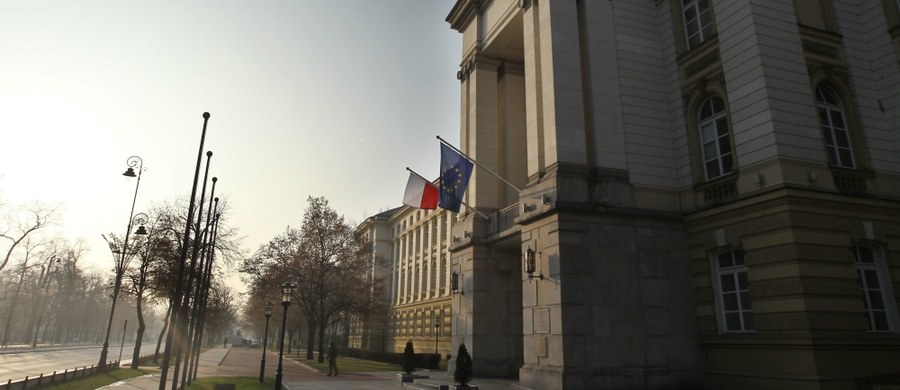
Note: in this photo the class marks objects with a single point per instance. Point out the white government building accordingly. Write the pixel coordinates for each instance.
(709, 196)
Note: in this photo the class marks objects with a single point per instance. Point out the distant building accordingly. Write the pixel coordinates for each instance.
(709, 192)
(409, 256)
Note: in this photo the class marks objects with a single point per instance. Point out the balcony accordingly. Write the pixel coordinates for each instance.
(850, 182)
(504, 219)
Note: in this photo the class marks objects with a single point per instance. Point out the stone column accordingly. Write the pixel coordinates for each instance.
(610, 304)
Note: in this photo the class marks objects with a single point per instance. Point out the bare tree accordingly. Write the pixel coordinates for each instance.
(21, 222)
(66, 275)
(221, 311)
(149, 251)
(166, 230)
(334, 274)
(322, 257)
(30, 253)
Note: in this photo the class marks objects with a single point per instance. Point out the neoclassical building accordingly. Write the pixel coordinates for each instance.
(702, 193)
(408, 251)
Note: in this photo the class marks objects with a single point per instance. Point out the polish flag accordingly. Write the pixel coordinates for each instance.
(420, 193)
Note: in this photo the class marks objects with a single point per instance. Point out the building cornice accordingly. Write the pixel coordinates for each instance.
(463, 12)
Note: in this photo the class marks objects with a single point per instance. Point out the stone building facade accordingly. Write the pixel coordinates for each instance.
(709, 191)
(409, 256)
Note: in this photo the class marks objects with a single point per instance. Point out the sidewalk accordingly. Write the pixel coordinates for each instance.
(238, 361)
(208, 361)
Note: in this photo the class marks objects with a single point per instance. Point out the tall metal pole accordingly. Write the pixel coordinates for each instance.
(278, 374)
(133, 161)
(193, 348)
(262, 363)
(286, 291)
(205, 295)
(182, 348)
(176, 302)
(122, 346)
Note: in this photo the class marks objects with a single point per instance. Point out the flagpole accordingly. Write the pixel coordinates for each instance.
(461, 202)
(417, 174)
(479, 165)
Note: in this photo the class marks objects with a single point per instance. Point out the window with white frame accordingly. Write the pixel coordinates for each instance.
(733, 295)
(834, 127)
(715, 138)
(872, 281)
(697, 21)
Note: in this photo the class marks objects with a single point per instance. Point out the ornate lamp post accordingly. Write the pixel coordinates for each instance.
(286, 291)
(437, 328)
(262, 363)
(133, 162)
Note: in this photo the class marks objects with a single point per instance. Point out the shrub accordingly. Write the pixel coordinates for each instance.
(463, 373)
(409, 358)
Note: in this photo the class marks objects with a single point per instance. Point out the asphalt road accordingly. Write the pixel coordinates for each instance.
(32, 363)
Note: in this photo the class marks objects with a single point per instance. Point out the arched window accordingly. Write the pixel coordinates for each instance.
(834, 127)
(697, 21)
(715, 139)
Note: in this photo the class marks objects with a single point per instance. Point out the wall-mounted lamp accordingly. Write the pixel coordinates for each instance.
(759, 179)
(454, 284)
(530, 260)
(545, 199)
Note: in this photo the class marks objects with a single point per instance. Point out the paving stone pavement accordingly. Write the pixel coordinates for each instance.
(238, 361)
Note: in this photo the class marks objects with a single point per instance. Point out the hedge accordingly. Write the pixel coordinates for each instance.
(423, 360)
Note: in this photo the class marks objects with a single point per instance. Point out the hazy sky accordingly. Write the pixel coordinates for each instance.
(307, 98)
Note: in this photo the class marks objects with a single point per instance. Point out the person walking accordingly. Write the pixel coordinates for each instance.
(332, 359)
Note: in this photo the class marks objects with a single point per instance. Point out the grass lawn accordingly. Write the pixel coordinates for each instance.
(98, 380)
(240, 382)
(348, 364)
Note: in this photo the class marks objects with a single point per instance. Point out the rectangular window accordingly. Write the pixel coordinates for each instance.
(871, 281)
(697, 21)
(733, 293)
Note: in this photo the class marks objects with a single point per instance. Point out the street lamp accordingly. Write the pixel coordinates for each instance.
(133, 162)
(383, 329)
(262, 363)
(436, 331)
(286, 290)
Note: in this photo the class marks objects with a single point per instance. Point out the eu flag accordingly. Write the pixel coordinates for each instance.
(455, 172)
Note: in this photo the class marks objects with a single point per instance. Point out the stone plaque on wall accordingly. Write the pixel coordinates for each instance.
(460, 326)
(541, 347)
(542, 321)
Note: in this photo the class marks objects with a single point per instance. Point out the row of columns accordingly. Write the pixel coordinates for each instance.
(422, 270)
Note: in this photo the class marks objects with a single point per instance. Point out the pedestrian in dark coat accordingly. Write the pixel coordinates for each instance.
(332, 359)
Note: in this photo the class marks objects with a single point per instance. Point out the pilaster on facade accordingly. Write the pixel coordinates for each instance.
(416, 251)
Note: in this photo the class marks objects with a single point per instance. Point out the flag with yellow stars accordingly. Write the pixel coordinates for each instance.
(455, 173)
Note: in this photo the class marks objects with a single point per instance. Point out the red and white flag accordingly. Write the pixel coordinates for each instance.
(420, 193)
